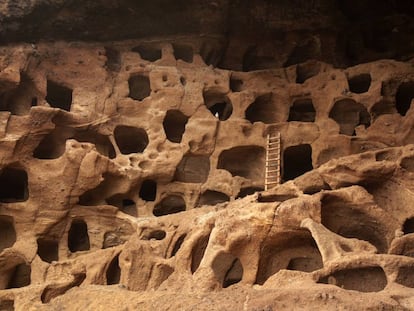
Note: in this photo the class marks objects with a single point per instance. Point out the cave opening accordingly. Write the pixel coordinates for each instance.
(404, 96)
(129, 207)
(228, 269)
(154, 235)
(193, 169)
(262, 110)
(58, 96)
(148, 52)
(219, 105)
(139, 87)
(243, 161)
(174, 125)
(178, 244)
(198, 252)
(170, 204)
(297, 160)
(102, 143)
(148, 191)
(211, 197)
(302, 110)
(20, 276)
(78, 237)
(48, 250)
(113, 272)
(184, 52)
(7, 232)
(236, 85)
(408, 226)
(405, 276)
(360, 83)
(349, 114)
(13, 185)
(53, 145)
(130, 139)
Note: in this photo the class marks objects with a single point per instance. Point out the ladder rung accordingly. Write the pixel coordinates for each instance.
(273, 148)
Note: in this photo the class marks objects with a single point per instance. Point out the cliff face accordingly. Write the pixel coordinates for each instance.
(132, 167)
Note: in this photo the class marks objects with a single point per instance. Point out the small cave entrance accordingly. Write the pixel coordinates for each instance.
(20, 276)
(171, 204)
(198, 252)
(7, 232)
(130, 139)
(112, 239)
(349, 114)
(236, 85)
(383, 107)
(102, 143)
(365, 279)
(227, 269)
(48, 250)
(405, 276)
(219, 105)
(53, 145)
(148, 52)
(344, 218)
(263, 109)
(174, 125)
(13, 185)
(360, 83)
(293, 250)
(302, 110)
(58, 96)
(193, 169)
(244, 192)
(148, 191)
(113, 59)
(408, 226)
(306, 71)
(211, 197)
(153, 235)
(78, 237)
(404, 96)
(178, 244)
(125, 205)
(113, 272)
(297, 160)
(139, 87)
(244, 161)
(184, 52)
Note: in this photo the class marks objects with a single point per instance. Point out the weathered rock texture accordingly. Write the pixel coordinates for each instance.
(132, 175)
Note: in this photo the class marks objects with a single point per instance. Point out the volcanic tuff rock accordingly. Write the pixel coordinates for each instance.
(132, 171)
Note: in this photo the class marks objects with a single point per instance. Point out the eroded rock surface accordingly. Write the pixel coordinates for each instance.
(132, 177)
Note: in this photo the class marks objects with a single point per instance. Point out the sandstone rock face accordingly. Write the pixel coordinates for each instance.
(132, 178)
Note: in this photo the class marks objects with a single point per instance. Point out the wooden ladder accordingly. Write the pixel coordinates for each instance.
(272, 169)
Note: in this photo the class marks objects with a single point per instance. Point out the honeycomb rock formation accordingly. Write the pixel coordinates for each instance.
(132, 172)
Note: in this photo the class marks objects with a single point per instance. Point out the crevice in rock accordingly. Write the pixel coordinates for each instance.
(306, 71)
(178, 244)
(113, 272)
(248, 191)
(219, 105)
(198, 252)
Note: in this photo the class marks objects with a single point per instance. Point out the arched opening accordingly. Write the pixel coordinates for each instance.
(171, 204)
(408, 226)
(183, 52)
(198, 252)
(227, 269)
(148, 52)
(383, 107)
(78, 237)
(263, 109)
(365, 279)
(113, 272)
(306, 71)
(130, 139)
(346, 219)
(20, 276)
(174, 125)
(58, 96)
(404, 96)
(48, 250)
(302, 110)
(211, 197)
(360, 83)
(139, 87)
(7, 232)
(13, 185)
(236, 85)
(293, 250)
(244, 161)
(193, 169)
(349, 114)
(297, 160)
(219, 105)
(148, 191)
(248, 191)
(113, 59)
